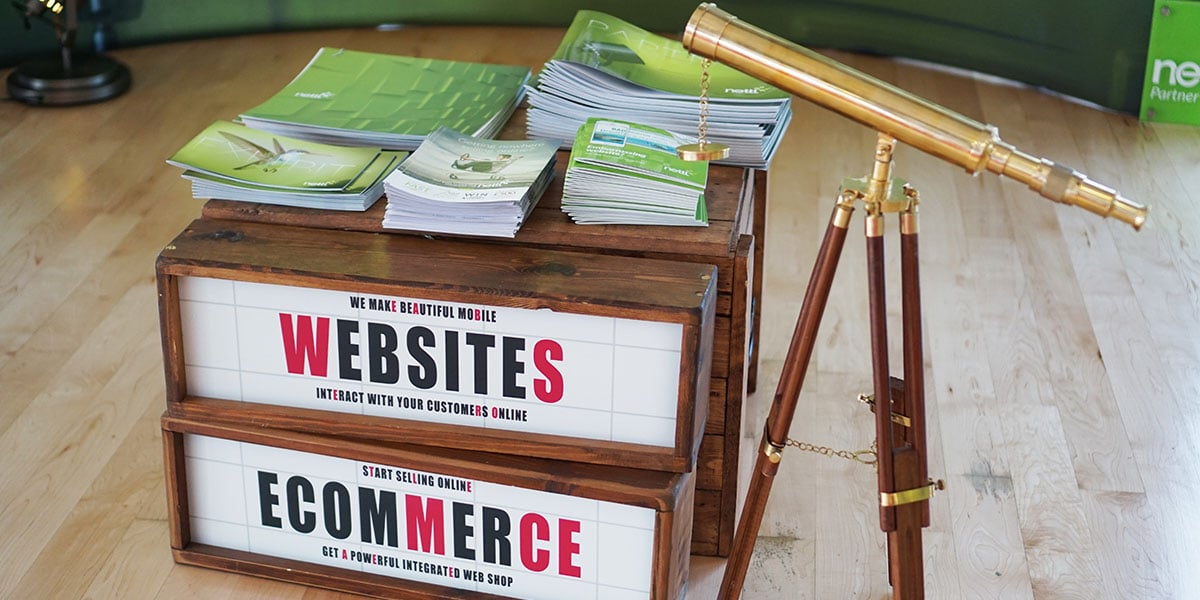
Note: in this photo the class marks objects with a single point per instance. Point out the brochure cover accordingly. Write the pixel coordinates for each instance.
(451, 167)
(608, 68)
(234, 162)
(455, 183)
(629, 173)
(390, 101)
(236, 152)
(619, 48)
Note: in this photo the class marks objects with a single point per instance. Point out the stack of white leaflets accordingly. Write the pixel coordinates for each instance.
(455, 183)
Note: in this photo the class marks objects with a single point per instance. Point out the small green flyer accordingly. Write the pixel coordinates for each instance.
(628, 173)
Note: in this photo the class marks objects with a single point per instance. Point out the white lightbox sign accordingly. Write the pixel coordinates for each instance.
(536, 371)
(415, 525)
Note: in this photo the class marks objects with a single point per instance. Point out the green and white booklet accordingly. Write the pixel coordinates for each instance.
(456, 183)
(233, 162)
(628, 173)
(368, 99)
(608, 68)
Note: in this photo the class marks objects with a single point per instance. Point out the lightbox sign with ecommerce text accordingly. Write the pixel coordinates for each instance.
(415, 525)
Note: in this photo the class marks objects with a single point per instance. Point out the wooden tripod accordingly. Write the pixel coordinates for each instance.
(904, 486)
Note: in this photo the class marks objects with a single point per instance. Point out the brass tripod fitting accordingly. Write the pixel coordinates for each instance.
(919, 494)
(908, 216)
(881, 173)
(774, 453)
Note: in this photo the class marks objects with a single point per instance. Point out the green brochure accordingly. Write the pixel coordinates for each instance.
(237, 153)
(390, 101)
(629, 173)
(608, 68)
(233, 162)
(622, 49)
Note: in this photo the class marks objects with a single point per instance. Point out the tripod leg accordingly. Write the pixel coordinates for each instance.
(914, 361)
(905, 549)
(787, 393)
(876, 288)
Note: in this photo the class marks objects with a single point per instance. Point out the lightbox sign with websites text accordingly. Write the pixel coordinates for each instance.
(493, 367)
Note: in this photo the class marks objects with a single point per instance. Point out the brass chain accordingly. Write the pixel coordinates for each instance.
(702, 149)
(865, 457)
(702, 128)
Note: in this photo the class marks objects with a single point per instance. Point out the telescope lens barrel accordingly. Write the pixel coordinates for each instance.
(929, 127)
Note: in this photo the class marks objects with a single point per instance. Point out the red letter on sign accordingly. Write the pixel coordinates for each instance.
(534, 527)
(299, 343)
(568, 548)
(550, 389)
(425, 526)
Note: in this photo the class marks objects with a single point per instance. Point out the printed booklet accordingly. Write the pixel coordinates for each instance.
(367, 99)
(456, 183)
(233, 162)
(627, 173)
(608, 68)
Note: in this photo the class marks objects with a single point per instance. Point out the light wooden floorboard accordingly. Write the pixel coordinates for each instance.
(1062, 351)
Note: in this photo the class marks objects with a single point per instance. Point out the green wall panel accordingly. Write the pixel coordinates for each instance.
(1094, 50)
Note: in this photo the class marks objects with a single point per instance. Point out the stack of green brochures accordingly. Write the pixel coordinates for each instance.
(455, 183)
(367, 99)
(233, 162)
(626, 173)
(606, 67)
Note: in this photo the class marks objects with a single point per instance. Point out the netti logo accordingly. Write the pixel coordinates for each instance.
(1184, 74)
(314, 96)
(746, 91)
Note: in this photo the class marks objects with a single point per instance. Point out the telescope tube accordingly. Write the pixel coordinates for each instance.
(929, 127)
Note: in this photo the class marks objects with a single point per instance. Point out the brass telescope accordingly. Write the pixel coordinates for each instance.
(929, 127)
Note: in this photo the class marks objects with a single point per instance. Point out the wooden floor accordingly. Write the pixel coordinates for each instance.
(1062, 350)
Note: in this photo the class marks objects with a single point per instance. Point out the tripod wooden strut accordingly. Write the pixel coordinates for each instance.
(903, 480)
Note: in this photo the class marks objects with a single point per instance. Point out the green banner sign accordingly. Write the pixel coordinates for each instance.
(1171, 93)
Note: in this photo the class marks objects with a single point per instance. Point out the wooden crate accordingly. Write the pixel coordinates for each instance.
(569, 356)
(733, 242)
(399, 521)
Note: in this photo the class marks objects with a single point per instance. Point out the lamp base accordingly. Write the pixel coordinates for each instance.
(90, 78)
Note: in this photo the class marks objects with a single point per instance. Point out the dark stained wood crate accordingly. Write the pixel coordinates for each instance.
(400, 521)
(733, 242)
(514, 350)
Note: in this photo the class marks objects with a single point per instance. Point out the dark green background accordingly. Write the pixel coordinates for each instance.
(1094, 50)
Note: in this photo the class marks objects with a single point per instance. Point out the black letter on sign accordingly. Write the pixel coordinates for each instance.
(496, 526)
(481, 342)
(451, 361)
(347, 350)
(306, 521)
(267, 501)
(513, 367)
(462, 531)
(337, 510)
(424, 376)
(381, 352)
(378, 520)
